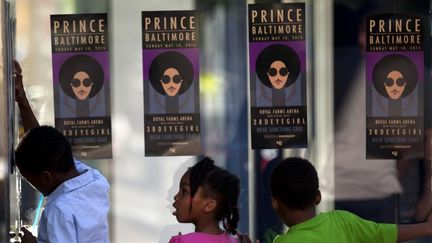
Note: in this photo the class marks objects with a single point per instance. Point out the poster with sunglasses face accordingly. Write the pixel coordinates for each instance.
(394, 86)
(80, 62)
(171, 83)
(277, 60)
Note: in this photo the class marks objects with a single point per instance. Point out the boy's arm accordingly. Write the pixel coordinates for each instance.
(28, 118)
(412, 231)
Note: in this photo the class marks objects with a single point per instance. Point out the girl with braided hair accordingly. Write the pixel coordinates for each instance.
(207, 196)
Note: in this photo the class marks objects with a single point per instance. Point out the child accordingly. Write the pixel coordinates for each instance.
(77, 196)
(207, 195)
(295, 194)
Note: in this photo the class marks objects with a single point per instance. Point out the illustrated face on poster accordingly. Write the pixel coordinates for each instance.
(81, 77)
(278, 66)
(171, 81)
(171, 73)
(395, 76)
(81, 85)
(278, 74)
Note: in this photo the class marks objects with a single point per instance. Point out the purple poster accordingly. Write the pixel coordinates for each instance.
(171, 83)
(80, 62)
(277, 55)
(394, 86)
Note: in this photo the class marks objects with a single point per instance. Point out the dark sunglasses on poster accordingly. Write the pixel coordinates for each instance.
(390, 82)
(282, 72)
(86, 82)
(176, 79)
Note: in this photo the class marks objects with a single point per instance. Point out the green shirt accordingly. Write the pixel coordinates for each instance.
(341, 227)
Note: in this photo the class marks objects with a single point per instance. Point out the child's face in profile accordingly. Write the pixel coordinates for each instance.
(183, 200)
(38, 182)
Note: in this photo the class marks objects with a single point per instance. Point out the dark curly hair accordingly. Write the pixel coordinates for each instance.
(281, 53)
(81, 63)
(294, 181)
(221, 185)
(171, 59)
(391, 63)
(44, 148)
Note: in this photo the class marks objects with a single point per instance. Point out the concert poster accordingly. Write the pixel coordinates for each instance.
(80, 63)
(171, 83)
(394, 86)
(277, 61)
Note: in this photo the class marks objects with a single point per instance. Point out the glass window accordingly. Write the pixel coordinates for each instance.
(142, 188)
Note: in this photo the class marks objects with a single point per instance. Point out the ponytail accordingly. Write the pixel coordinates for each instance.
(232, 214)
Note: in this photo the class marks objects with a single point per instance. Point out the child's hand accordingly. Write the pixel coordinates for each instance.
(244, 238)
(28, 236)
(19, 87)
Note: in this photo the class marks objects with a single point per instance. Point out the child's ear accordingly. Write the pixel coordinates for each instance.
(274, 203)
(47, 177)
(210, 205)
(318, 198)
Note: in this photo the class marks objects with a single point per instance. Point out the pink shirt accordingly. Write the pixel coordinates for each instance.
(203, 238)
